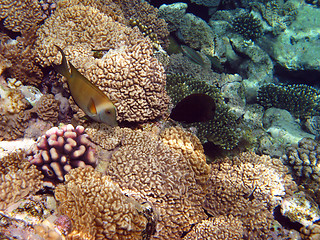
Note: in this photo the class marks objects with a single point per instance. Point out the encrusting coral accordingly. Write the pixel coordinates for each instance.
(248, 187)
(60, 150)
(216, 228)
(191, 148)
(304, 159)
(97, 207)
(21, 55)
(18, 178)
(12, 126)
(127, 72)
(20, 15)
(165, 170)
(145, 15)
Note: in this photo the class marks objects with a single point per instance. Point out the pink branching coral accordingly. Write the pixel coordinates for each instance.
(62, 149)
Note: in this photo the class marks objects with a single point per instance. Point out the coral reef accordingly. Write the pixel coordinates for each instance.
(283, 131)
(18, 178)
(20, 15)
(304, 159)
(31, 218)
(197, 34)
(97, 207)
(127, 73)
(216, 228)
(300, 100)
(148, 17)
(300, 208)
(20, 54)
(296, 48)
(173, 14)
(191, 149)
(277, 14)
(254, 187)
(222, 130)
(12, 101)
(247, 25)
(12, 126)
(60, 150)
(163, 171)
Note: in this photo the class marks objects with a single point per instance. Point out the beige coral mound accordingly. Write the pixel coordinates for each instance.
(127, 72)
(18, 178)
(20, 15)
(217, 228)
(161, 174)
(97, 207)
(248, 187)
(192, 150)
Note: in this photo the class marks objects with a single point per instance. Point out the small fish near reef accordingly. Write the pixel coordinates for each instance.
(193, 55)
(86, 95)
(196, 107)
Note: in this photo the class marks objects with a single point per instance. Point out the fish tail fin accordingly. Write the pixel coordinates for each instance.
(63, 67)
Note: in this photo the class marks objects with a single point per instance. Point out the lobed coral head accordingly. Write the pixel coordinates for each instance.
(62, 149)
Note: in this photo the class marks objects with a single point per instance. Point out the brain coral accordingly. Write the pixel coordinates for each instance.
(60, 150)
(248, 187)
(18, 178)
(160, 171)
(97, 207)
(127, 72)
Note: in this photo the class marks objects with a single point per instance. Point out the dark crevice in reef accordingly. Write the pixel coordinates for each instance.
(308, 77)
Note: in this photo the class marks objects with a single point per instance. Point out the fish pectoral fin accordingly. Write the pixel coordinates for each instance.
(92, 107)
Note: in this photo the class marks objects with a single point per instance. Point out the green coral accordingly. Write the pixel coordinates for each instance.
(222, 130)
(300, 100)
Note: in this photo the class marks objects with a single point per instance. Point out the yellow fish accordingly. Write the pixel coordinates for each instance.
(86, 95)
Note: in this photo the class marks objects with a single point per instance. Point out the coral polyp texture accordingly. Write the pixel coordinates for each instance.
(247, 25)
(300, 100)
(97, 207)
(248, 187)
(60, 150)
(126, 72)
(20, 15)
(304, 159)
(12, 126)
(167, 170)
(18, 178)
(216, 228)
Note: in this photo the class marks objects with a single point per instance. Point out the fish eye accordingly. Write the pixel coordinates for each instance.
(108, 112)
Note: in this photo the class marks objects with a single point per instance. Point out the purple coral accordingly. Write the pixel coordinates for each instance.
(60, 150)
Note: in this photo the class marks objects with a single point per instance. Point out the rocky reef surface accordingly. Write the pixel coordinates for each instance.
(251, 171)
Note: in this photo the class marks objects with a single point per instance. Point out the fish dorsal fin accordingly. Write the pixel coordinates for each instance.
(92, 107)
